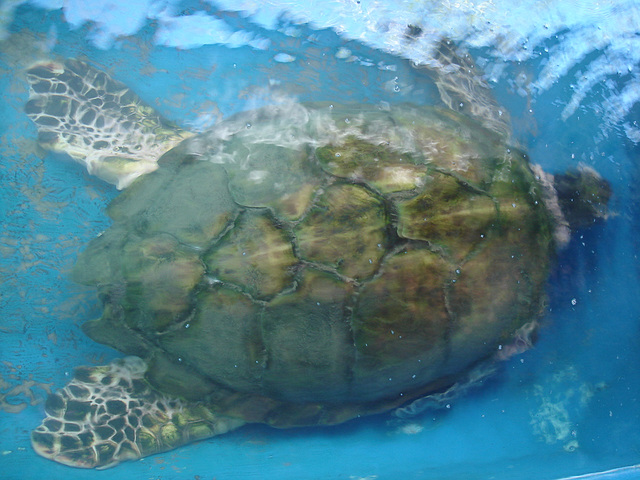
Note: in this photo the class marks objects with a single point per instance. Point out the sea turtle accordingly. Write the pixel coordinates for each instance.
(301, 264)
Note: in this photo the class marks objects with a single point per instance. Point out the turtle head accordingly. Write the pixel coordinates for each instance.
(575, 199)
(583, 196)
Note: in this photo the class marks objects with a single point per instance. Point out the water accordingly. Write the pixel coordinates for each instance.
(567, 72)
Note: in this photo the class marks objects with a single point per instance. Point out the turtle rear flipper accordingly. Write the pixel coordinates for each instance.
(109, 414)
(100, 122)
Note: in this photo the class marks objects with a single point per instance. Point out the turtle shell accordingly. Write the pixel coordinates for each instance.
(304, 264)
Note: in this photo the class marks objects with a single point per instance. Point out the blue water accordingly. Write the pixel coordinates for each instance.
(570, 406)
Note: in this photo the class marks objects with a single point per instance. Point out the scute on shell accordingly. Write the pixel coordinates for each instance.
(346, 229)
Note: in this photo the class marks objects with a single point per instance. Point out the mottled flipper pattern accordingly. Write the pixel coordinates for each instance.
(98, 121)
(109, 414)
(462, 88)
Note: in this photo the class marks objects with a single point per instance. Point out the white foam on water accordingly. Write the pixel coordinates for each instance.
(564, 33)
(604, 34)
(192, 31)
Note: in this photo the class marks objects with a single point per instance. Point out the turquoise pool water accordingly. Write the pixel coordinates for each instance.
(568, 74)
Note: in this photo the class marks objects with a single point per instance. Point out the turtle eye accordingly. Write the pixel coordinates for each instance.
(137, 148)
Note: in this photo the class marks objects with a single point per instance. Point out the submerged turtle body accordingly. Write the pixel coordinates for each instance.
(322, 255)
(297, 265)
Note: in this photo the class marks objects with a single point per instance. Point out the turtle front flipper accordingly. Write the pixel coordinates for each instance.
(98, 121)
(463, 88)
(109, 414)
